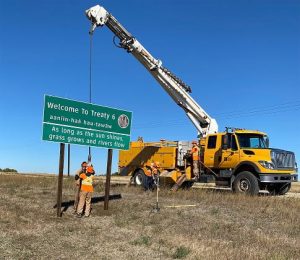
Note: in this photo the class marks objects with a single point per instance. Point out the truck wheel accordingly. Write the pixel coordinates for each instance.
(139, 178)
(245, 182)
(279, 188)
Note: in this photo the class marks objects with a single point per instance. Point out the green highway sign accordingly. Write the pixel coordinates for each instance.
(69, 121)
(74, 135)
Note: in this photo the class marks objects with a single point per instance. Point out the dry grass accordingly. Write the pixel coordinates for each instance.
(222, 225)
(295, 187)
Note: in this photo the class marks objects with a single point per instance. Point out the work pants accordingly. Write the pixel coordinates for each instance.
(148, 182)
(196, 168)
(76, 198)
(84, 199)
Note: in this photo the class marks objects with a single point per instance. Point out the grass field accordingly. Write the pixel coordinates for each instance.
(221, 225)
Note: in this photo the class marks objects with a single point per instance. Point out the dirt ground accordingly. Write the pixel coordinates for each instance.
(191, 224)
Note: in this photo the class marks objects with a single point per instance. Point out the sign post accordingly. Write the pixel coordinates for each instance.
(69, 158)
(108, 174)
(60, 178)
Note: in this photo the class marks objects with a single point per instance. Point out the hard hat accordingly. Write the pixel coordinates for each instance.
(156, 164)
(90, 169)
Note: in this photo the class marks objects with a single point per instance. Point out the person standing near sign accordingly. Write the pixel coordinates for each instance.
(78, 184)
(86, 192)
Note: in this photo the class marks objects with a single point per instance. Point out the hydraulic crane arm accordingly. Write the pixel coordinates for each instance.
(174, 86)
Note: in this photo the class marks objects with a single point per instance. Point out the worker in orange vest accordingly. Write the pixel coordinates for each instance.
(195, 156)
(86, 192)
(78, 184)
(151, 175)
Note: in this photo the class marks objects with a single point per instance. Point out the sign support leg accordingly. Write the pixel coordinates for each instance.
(69, 157)
(60, 178)
(108, 174)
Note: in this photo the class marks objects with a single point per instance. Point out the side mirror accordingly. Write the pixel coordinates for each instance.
(267, 142)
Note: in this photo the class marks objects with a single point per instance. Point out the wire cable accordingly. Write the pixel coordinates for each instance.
(90, 88)
(273, 109)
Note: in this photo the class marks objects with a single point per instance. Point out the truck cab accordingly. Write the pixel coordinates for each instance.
(237, 152)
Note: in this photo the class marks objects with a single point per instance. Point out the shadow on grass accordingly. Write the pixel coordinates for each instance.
(67, 204)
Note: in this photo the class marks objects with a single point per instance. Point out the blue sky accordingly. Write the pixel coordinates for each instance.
(241, 58)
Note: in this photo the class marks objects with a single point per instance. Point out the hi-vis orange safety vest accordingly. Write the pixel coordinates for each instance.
(87, 182)
(195, 153)
(148, 173)
(151, 170)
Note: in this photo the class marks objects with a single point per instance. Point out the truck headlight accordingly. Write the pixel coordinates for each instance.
(267, 165)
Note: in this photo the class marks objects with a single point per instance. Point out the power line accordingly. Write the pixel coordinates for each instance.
(264, 108)
(266, 112)
(229, 116)
(273, 109)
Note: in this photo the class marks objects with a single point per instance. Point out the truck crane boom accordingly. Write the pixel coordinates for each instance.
(173, 85)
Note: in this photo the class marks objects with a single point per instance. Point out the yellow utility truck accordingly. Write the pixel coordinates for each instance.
(236, 158)
(239, 159)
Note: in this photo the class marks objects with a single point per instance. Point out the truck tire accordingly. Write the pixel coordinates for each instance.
(279, 188)
(245, 182)
(138, 178)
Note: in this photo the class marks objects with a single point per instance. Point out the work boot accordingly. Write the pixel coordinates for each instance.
(78, 215)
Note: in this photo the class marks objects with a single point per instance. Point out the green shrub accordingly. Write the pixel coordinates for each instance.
(181, 252)
(143, 240)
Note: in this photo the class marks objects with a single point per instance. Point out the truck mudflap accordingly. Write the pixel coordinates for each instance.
(273, 178)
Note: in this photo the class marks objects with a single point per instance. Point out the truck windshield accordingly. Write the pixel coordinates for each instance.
(252, 141)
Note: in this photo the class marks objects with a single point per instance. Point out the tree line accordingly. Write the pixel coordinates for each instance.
(8, 170)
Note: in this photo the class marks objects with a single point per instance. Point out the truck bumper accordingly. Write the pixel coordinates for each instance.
(273, 178)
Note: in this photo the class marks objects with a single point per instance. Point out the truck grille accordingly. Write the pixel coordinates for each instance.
(283, 159)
